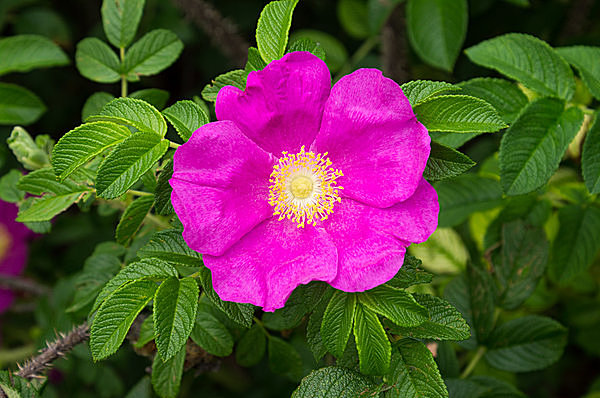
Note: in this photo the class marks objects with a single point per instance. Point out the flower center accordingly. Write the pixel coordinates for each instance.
(304, 188)
(5, 241)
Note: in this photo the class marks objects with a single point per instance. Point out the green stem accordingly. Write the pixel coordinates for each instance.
(174, 145)
(360, 53)
(473, 363)
(262, 326)
(123, 77)
(139, 193)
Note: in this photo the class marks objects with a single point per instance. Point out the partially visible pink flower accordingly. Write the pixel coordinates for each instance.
(13, 248)
(299, 181)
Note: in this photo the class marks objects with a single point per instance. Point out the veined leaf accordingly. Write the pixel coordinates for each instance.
(444, 323)
(306, 44)
(577, 242)
(436, 30)
(116, 315)
(120, 19)
(284, 359)
(395, 304)
(464, 195)
(128, 162)
(313, 327)
(236, 78)
(584, 58)
(97, 61)
(8, 187)
(273, 29)
(43, 181)
(445, 162)
(418, 91)
(210, 334)
(337, 323)
(23, 53)
(374, 348)
(80, 145)
(255, 61)
(503, 95)
(174, 314)
(482, 301)
(133, 112)
(19, 105)
(139, 270)
(163, 190)
(458, 114)
(46, 207)
(94, 104)
(146, 333)
(98, 269)
(169, 246)
(251, 346)
(525, 344)
(154, 96)
(533, 146)
(132, 219)
(166, 375)
(186, 116)
(335, 52)
(333, 382)
(155, 51)
(302, 300)
(413, 372)
(410, 274)
(590, 158)
(529, 61)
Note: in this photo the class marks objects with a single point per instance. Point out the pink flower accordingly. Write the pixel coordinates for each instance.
(13, 248)
(299, 181)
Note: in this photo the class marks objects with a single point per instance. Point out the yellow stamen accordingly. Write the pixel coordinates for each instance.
(304, 188)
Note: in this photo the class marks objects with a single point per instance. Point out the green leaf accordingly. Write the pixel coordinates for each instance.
(143, 389)
(9, 391)
(8, 187)
(255, 61)
(236, 78)
(413, 372)
(169, 246)
(251, 347)
(23, 53)
(210, 334)
(453, 140)
(239, 313)
(458, 294)
(482, 301)
(503, 95)
(531, 149)
(352, 15)
(98, 269)
(335, 52)
(395, 304)
(186, 116)
(464, 195)
(444, 323)
(24, 387)
(163, 190)
(146, 333)
(154, 96)
(458, 114)
(590, 158)
(273, 28)
(44, 181)
(437, 30)
(333, 382)
(97, 61)
(584, 59)
(577, 242)
(41, 227)
(529, 61)
(116, 315)
(133, 112)
(410, 274)
(175, 307)
(132, 219)
(284, 359)
(313, 327)
(19, 105)
(80, 145)
(155, 51)
(526, 344)
(143, 269)
(374, 348)
(306, 44)
(418, 91)
(126, 164)
(120, 19)
(524, 259)
(94, 104)
(166, 375)
(302, 300)
(445, 162)
(337, 322)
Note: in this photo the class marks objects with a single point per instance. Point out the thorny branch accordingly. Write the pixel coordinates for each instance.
(394, 47)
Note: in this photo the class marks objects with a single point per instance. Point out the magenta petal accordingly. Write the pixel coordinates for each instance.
(282, 105)
(371, 241)
(220, 187)
(373, 137)
(267, 264)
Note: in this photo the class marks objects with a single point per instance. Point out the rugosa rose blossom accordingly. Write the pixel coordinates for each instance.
(299, 181)
(13, 248)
